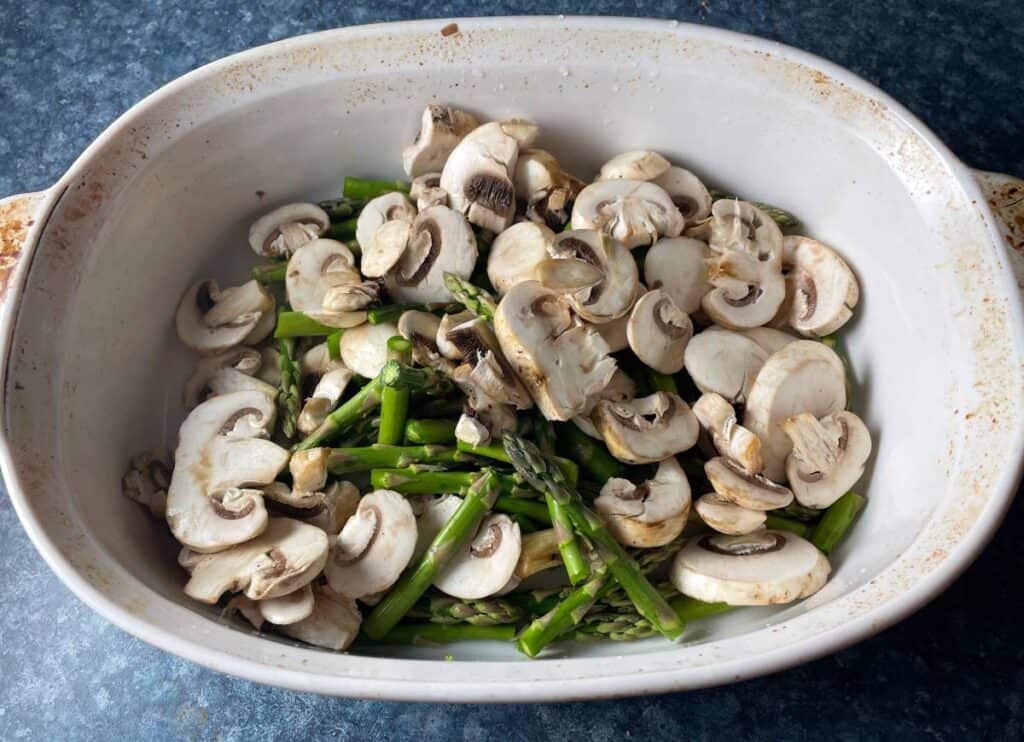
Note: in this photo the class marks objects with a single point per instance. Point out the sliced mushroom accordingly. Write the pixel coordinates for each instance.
(746, 292)
(297, 503)
(484, 417)
(650, 514)
(250, 610)
(828, 456)
(726, 516)
(436, 514)
(741, 226)
(731, 439)
(333, 624)
(559, 361)
(245, 360)
(544, 187)
(478, 177)
(768, 338)
(286, 556)
(284, 230)
(374, 547)
(441, 241)
(677, 265)
(539, 552)
(466, 337)
(632, 211)
(270, 366)
(739, 486)
(805, 376)
(486, 564)
(388, 207)
(470, 429)
(689, 195)
(288, 609)
(364, 349)
(221, 448)
(228, 380)
(761, 568)
(441, 129)
(525, 132)
(638, 164)
(620, 388)
(147, 481)
(211, 321)
(340, 501)
(309, 469)
(820, 287)
(515, 254)
(647, 429)
(420, 328)
(724, 362)
(427, 191)
(614, 295)
(658, 332)
(461, 344)
(385, 248)
(568, 275)
(314, 271)
(614, 333)
(317, 361)
(324, 399)
(264, 326)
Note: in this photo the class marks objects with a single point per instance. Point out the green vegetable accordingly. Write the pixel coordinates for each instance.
(836, 521)
(588, 453)
(475, 299)
(443, 609)
(394, 400)
(339, 209)
(497, 452)
(342, 231)
(567, 613)
(334, 345)
(781, 523)
(288, 390)
(780, 216)
(364, 189)
(381, 456)
(662, 382)
(270, 272)
(298, 325)
(430, 431)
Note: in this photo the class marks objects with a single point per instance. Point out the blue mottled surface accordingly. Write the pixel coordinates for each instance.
(955, 671)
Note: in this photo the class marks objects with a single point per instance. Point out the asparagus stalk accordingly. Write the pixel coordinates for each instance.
(361, 433)
(363, 189)
(437, 633)
(575, 564)
(288, 391)
(392, 312)
(394, 400)
(473, 298)
(836, 521)
(432, 408)
(796, 511)
(477, 503)
(626, 626)
(497, 452)
(443, 609)
(430, 431)
(781, 523)
(339, 209)
(270, 272)
(588, 453)
(662, 382)
(334, 345)
(546, 436)
(298, 325)
(342, 231)
(566, 614)
(348, 460)
(532, 509)
(781, 217)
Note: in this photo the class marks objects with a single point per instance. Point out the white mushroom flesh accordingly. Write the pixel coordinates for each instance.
(478, 177)
(284, 230)
(333, 624)
(646, 429)
(639, 164)
(726, 516)
(748, 490)
(211, 320)
(440, 241)
(821, 290)
(678, 266)
(364, 349)
(147, 481)
(724, 362)
(731, 439)
(614, 294)
(485, 565)
(649, 514)
(687, 192)
(828, 456)
(632, 211)
(515, 254)
(441, 129)
(288, 609)
(658, 331)
(388, 207)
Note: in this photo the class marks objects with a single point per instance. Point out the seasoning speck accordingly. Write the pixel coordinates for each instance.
(260, 194)
(450, 30)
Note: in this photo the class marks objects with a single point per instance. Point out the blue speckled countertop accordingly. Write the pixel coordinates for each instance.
(955, 671)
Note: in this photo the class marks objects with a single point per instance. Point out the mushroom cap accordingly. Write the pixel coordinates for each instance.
(380, 210)
(724, 362)
(828, 456)
(637, 164)
(677, 265)
(741, 226)
(286, 556)
(821, 289)
(613, 296)
(314, 269)
(746, 291)
(374, 547)
(658, 331)
(537, 172)
(463, 342)
(620, 388)
(279, 233)
(485, 565)
(340, 502)
(333, 624)
(731, 439)
(647, 429)
(441, 129)
(560, 362)
(687, 192)
(634, 212)
(805, 376)
(288, 609)
(241, 358)
(324, 399)
(264, 326)
(441, 241)
(614, 333)
(229, 380)
(478, 177)
(760, 568)
(211, 321)
(420, 328)
(726, 516)
(221, 448)
(364, 349)
(515, 254)
(525, 132)
(436, 513)
(317, 360)
(650, 514)
(743, 488)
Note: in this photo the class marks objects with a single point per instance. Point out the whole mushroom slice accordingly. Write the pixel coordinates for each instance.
(739, 486)
(760, 568)
(288, 609)
(440, 241)
(828, 456)
(746, 291)
(427, 191)
(341, 499)
(441, 128)
(687, 192)
(724, 362)
(620, 388)
(393, 206)
(364, 349)
(243, 359)
(485, 565)
(515, 254)
(324, 399)
(559, 361)
(613, 296)
(333, 624)
(313, 272)
(374, 547)
(478, 177)
(649, 514)
(769, 338)
(544, 187)
(726, 516)
(228, 380)
(658, 331)
(821, 289)
(731, 439)
(646, 429)
(638, 164)
(284, 230)
(634, 212)
(286, 556)
(221, 448)
(147, 481)
(211, 321)
(740, 226)
(614, 333)
(678, 265)
(385, 248)
(436, 513)
(805, 376)
(270, 366)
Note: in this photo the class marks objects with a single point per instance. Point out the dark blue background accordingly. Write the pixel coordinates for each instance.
(955, 671)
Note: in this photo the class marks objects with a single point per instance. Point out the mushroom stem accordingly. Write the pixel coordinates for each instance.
(462, 527)
(540, 552)
(288, 397)
(429, 431)
(364, 189)
(348, 460)
(298, 325)
(394, 400)
(836, 521)
(588, 453)
(473, 298)
(270, 272)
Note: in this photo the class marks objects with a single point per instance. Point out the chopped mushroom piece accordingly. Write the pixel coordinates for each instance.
(768, 338)
(515, 254)
(211, 321)
(724, 362)
(228, 380)
(544, 187)
(147, 481)
(726, 516)
(568, 275)
(427, 191)
(525, 132)
(478, 177)
(650, 514)
(620, 388)
(309, 469)
(647, 429)
(242, 359)
(658, 332)
(678, 265)
(638, 164)
(317, 361)
(634, 212)
(317, 269)
(466, 337)
(761, 568)
(689, 195)
(333, 624)
(301, 504)
(441, 129)
(613, 296)
(341, 499)
(420, 328)
(270, 366)
(388, 207)
(324, 399)
(287, 609)
(739, 486)
(385, 248)
(821, 290)
(828, 456)
(364, 349)
(741, 226)
(284, 230)
(440, 241)
(485, 565)
(614, 333)
(731, 439)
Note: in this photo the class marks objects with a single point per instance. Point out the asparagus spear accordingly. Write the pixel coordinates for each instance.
(781, 217)
(437, 633)
(298, 325)
(588, 453)
(363, 189)
(477, 503)
(781, 523)
(342, 231)
(836, 521)
(526, 526)
(662, 382)
(566, 614)
(392, 312)
(270, 272)
(473, 298)
(497, 452)
(333, 343)
(394, 400)
(626, 626)
(430, 431)
(339, 209)
(288, 391)
(443, 609)
(364, 458)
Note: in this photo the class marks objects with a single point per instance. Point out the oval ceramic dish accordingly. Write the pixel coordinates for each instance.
(93, 268)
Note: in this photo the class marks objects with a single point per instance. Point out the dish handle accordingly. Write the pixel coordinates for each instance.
(1005, 194)
(18, 214)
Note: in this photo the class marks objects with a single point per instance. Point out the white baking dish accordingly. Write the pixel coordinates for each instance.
(95, 265)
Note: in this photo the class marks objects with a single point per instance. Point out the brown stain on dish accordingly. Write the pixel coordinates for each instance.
(17, 215)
